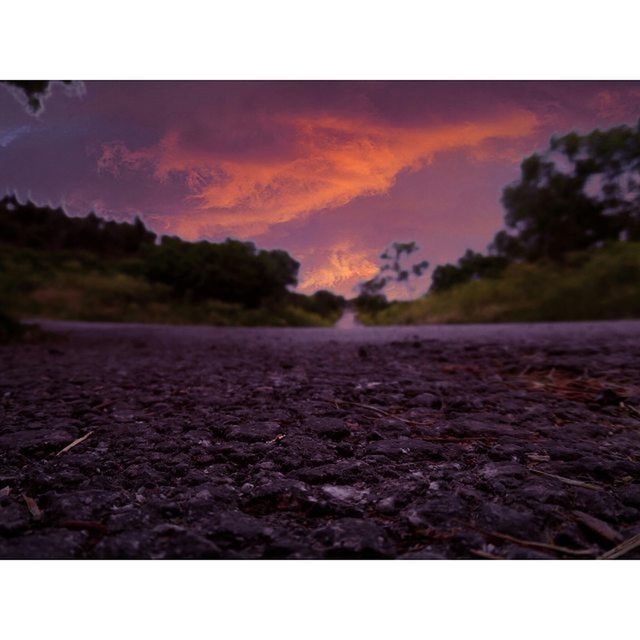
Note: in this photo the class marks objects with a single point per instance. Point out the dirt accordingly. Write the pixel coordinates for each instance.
(495, 441)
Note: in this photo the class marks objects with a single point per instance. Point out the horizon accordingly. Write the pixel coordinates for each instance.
(330, 171)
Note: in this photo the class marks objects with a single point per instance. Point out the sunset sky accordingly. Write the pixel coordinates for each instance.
(330, 171)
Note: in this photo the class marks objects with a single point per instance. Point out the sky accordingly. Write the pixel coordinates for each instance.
(332, 172)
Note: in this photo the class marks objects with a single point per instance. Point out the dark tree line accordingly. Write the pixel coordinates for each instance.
(582, 192)
(230, 271)
(29, 225)
(471, 266)
(323, 302)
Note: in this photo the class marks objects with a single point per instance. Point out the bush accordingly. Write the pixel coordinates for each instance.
(599, 284)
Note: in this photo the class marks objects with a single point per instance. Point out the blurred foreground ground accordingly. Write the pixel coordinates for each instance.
(518, 441)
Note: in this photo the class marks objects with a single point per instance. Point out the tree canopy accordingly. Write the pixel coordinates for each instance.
(34, 91)
(42, 227)
(471, 266)
(584, 190)
(230, 271)
(394, 268)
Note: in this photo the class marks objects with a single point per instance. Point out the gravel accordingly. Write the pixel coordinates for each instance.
(510, 441)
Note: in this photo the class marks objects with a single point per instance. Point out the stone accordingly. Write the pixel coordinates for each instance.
(430, 400)
(354, 538)
(332, 428)
(254, 431)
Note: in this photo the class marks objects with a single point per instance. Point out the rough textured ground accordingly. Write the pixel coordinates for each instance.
(455, 442)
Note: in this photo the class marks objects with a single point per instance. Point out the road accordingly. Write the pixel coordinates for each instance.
(474, 441)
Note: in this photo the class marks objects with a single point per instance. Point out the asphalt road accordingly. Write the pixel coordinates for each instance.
(514, 441)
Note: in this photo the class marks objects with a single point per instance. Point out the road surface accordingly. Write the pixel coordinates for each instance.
(505, 441)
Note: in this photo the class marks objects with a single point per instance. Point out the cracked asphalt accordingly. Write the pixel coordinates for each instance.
(474, 441)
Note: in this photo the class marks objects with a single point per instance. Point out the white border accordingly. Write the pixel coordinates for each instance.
(335, 39)
(318, 600)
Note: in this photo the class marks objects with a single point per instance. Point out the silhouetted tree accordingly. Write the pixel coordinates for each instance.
(231, 271)
(393, 269)
(584, 190)
(471, 266)
(35, 91)
(41, 227)
(324, 303)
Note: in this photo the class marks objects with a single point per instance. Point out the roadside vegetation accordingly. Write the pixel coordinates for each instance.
(602, 284)
(570, 249)
(55, 266)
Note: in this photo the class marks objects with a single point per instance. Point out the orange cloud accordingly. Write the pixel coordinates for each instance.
(340, 268)
(330, 161)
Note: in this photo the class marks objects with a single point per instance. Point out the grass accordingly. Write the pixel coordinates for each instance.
(81, 286)
(602, 284)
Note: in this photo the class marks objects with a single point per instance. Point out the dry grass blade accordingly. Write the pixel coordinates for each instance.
(541, 545)
(33, 507)
(84, 525)
(103, 405)
(485, 554)
(74, 443)
(623, 548)
(538, 457)
(415, 423)
(386, 414)
(569, 481)
(631, 409)
(381, 412)
(454, 438)
(581, 388)
(598, 526)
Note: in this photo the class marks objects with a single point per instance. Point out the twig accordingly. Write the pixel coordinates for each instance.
(416, 423)
(631, 409)
(279, 437)
(569, 481)
(485, 554)
(386, 414)
(600, 527)
(454, 438)
(33, 507)
(74, 443)
(540, 545)
(382, 412)
(103, 405)
(623, 548)
(84, 525)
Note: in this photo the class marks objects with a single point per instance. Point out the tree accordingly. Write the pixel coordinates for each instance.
(471, 266)
(393, 269)
(41, 227)
(35, 91)
(584, 190)
(230, 271)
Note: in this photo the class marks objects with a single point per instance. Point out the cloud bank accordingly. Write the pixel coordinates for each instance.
(328, 161)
